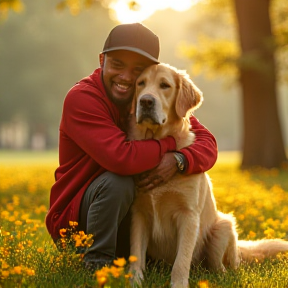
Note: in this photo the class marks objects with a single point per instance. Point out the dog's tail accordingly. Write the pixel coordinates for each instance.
(261, 249)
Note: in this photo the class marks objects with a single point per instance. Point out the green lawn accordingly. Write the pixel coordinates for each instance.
(28, 257)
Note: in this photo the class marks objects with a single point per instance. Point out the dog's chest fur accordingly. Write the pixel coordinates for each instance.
(162, 208)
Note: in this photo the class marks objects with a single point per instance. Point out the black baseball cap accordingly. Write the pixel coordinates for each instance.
(133, 37)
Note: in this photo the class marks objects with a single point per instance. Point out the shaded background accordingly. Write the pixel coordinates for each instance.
(43, 52)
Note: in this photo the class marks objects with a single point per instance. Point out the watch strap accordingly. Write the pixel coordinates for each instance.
(181, 161)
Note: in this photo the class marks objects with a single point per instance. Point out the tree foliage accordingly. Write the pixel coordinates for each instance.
(214, 54)
(212, 57)
(75, 6)
(218, 53)
(252, 49)
(10, 5)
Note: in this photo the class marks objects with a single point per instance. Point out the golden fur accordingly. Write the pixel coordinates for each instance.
(179, 221)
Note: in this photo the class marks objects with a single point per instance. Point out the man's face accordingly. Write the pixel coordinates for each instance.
(121, 68)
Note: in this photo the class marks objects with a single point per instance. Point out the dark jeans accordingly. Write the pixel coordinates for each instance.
(105, 213)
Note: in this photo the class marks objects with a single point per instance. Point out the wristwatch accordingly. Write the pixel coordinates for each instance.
(180, 158)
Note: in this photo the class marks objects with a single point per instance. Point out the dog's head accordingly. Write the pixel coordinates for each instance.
(164, 94)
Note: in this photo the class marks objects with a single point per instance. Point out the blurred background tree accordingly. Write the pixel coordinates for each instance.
(230, 40)
(247, 53)
(263, 141)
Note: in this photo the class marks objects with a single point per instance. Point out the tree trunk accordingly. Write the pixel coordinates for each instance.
(263, 141)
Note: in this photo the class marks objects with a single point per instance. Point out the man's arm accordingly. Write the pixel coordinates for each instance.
(198, 157)
(202, 154)
(89, 127)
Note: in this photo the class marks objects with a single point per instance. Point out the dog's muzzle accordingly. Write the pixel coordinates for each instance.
(146, 109)
(147, 102)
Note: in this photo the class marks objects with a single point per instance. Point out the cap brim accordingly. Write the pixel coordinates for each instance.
(133, 49)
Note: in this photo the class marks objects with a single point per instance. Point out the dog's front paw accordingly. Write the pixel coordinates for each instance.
(180, 284)
(137, 278)
(178, 279)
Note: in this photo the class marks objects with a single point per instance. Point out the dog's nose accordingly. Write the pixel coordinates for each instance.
(147, 101)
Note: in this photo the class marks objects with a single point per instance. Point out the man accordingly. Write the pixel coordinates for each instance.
(93, 184)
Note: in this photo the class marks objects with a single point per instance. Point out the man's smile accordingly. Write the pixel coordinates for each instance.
(122, 87)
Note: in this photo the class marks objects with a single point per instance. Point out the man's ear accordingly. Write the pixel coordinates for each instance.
(101, 59)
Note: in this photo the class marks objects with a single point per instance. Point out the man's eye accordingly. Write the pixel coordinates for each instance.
(116, 65)
(164, 85)
(139, 70)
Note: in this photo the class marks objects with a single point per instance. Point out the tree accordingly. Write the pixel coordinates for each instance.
(263, 142)
(254, 59)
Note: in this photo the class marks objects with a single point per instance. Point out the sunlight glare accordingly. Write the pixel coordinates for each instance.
(129, 11)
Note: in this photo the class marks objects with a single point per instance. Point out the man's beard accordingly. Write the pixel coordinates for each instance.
(120, 102)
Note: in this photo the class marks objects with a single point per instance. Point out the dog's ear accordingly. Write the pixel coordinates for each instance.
(189, 96)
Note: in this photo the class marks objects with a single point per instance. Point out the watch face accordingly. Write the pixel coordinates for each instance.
(180, 164)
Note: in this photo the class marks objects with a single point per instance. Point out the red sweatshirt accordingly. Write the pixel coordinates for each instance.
(91, 142)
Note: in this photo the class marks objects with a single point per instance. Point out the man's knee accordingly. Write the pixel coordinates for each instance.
(121, 187)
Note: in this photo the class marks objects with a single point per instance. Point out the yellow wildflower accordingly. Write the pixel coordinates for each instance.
(17, 269)
(89, 240)
(252, 235)
(40, 250)
(21, 246)
(132, 259)
(116, 271)
(10, 207)
(41, 209)
(62, 232)
(78, 242)
(30, 272)
(32, 188)
(128, 276)
(270, 233)
(25, 216)
(5, 214)
(5, 273)
(203, 284)
(15, 200)
(12, 219)
(18, 222)
(82, 235)
(35, 227)
(241, 217)
(4, 265)
(73, 223)
(121, 262)
(102, 276)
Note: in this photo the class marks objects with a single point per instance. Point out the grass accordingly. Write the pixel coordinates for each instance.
(29, 258)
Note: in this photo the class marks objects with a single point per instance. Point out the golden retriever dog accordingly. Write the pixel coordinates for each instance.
(178, 222)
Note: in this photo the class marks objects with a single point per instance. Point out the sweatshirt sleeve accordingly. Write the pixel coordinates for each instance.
(90, 123)
(202, 154)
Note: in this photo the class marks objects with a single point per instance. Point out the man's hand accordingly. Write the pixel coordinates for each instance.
(161, 174)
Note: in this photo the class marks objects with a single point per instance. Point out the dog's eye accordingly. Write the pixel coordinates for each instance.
(141, 83)
(164, 85)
